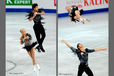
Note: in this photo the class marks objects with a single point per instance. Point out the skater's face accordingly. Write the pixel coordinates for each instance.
(80, 45)
(23, 32)
(36, 8)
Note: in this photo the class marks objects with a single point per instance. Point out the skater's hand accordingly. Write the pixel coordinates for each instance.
(66, 43)
(24, 38)
(104, 49)
(35, 13)
(27, 37)
(63, 41)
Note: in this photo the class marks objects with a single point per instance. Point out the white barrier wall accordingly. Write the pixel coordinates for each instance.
(46, 4)
(85, 4)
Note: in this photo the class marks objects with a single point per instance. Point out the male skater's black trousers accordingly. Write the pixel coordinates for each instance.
(84, 68)
(39, 32)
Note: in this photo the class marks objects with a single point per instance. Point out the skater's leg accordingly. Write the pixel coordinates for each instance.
(29, 54)
(84, 19)
(80, 70)
(43, 35)
(33, 56)
(37, 33)
(42, 39)
(76, 18)
(88, 71)
(80, 18)
(34, 60)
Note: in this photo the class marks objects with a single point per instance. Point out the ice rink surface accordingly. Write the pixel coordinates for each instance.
(18, 62)
(92, 34)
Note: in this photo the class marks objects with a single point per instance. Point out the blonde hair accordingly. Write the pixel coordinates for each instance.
(22, 30)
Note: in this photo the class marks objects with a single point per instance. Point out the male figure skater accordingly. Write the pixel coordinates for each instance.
(39, 30)
(83, 57)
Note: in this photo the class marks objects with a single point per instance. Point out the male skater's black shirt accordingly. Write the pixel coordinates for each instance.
(83, 56)
(37, 19)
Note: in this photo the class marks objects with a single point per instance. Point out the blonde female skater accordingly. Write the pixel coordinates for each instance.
(26, 39)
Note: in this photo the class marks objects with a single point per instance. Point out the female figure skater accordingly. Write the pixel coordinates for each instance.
(75, 14)
(83, 57)
(39, 30)
(29, 46)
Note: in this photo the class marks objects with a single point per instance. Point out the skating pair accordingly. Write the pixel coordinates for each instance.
(75, 14)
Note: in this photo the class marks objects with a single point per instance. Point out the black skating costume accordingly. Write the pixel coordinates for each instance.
(83, 57)
(28, 45)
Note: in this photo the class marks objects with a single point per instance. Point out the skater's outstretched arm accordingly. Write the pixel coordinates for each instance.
(72, 48)
(66, 43)
(101, 49)
(42, 13)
